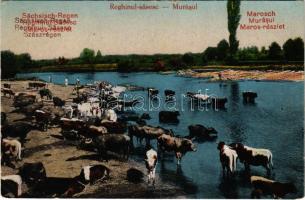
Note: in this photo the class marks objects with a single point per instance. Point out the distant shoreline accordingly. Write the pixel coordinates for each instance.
(114, 68)
(226, 75)
(239, 75)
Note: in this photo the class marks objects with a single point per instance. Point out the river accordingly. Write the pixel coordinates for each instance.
(275, 121)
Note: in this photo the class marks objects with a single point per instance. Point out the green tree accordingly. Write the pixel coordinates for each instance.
(248, 53)
(299, 49)
(263, 54)
(294, 49)
(233, 11)
(8, 64)
(87, 56)
(204, 60)
(62, 60)
(210, 53)
(177, 63)
(188, 58)
(288, 48)
(98, 54)
(24, 61)
(98, 57)
(222, 49)
(275, 51)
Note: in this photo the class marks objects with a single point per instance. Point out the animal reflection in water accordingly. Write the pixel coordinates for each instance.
(228, 187)
(177, 177)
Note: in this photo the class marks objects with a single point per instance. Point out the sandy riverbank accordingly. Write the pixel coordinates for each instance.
(62, 159)
(246, 75)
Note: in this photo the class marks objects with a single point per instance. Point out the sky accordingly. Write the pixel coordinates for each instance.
(144, 32)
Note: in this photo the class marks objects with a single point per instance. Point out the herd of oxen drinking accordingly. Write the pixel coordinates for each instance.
(97, 119)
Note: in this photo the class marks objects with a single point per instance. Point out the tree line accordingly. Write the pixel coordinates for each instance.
(292, 50)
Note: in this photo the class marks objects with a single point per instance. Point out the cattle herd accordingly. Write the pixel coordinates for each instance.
(96, 120)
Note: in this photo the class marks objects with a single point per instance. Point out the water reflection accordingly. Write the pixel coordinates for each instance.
(177, 177)
(228, 187)
(237, 131)
(234, 86)
(236, 123)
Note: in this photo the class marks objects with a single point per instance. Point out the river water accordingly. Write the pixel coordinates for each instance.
(275, 121)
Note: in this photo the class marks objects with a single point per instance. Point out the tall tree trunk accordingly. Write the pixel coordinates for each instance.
(233, 9)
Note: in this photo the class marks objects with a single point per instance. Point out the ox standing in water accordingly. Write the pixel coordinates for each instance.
(228, 158)
(264, 186)
(151, 160)
(179, 145)
(253, 156)
(147, 132)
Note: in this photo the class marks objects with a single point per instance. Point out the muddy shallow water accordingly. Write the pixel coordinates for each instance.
(275, 122)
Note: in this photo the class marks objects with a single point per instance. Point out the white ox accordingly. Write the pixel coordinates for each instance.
(89, 109)
(68, 111)
(12, 147)
(261, 152)
(117, 90)
(109, 115)
(151, 162)
(228, 158)
(254, 156)
(202, 97)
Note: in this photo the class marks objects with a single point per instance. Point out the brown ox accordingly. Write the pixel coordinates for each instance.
(179, 145)
(147, 132)
(115, 127)
(269, 187)
(72, 124)
(95, 131)
(117, 143)
(253, 156)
